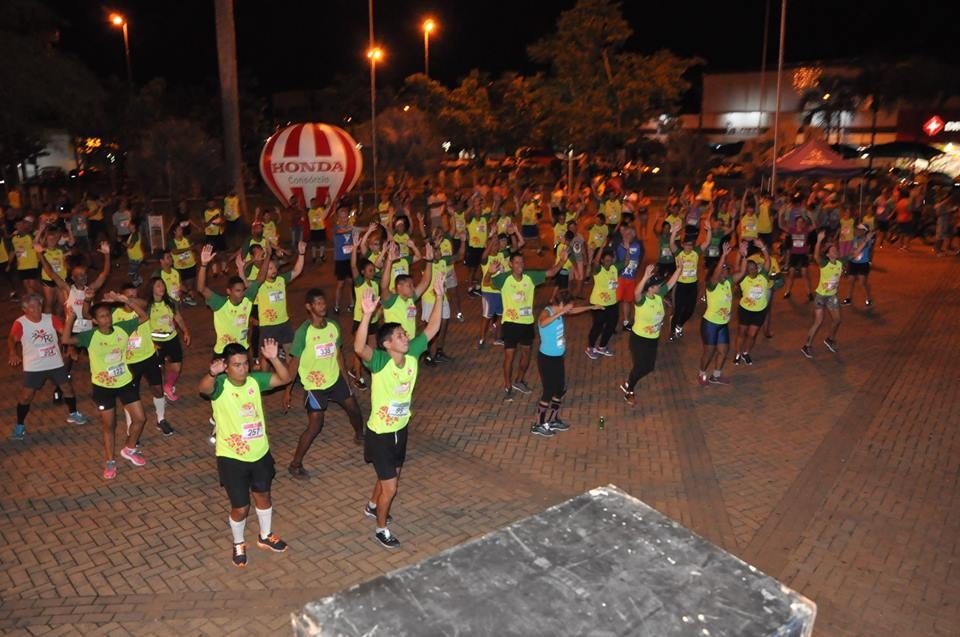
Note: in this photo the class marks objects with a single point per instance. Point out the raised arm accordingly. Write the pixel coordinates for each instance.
(709, 237)
(433, 323)
(638, 294)
(270, 350)
(561, 259)
(672, 281)
(368, 305)
(207, 383)
(56, 278)
(102, 277)
(298, 265)
(66, 334)
(427, 275)
(390, 254)
(816, 248)
(139, 306)
(206, 256)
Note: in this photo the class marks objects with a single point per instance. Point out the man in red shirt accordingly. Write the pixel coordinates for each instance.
(904, 213)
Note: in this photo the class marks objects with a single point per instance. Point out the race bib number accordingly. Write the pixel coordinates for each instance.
(713, 251)
(48, 351)
(183, 257)
(252, 430)
(398, 409)
(243, 335)
(116, 356)
(241, 321)
(276, 297)
(756, 292)
(799, 240)
(526, 311)
(688, 271)
(412, 312)
(324, 350)
(665, 252)
(612, 285)
(831, 284)
(347, 248)
(134, 342)
(115, 371)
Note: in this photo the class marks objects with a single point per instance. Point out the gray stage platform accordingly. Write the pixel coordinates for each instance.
(603, 563)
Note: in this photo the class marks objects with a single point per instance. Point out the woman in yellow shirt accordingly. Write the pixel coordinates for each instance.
(831, 269)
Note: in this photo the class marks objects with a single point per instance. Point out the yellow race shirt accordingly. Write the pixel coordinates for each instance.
(689, 263)
(317, 349)
(648, 315)
(238, 410)
(272, 300)
(753, 292)
(719, 302)
(107, 352)
(830, 273)
(604, 286)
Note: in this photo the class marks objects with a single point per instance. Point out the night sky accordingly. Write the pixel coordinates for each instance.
(287, 44)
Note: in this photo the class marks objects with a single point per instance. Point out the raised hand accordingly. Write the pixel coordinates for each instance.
(218, 366)
(207, 254)
(650, 269)
(302, 247)
(368, 302)
(270, 349)
(38, 247)
(104, 248)
(438, 282)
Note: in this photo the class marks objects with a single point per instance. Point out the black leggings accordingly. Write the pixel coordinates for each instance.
(604, 323)
(644, 352)
(686, 301)
(552, 376)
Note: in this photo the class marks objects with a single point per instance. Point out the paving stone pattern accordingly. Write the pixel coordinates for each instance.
(837, 475)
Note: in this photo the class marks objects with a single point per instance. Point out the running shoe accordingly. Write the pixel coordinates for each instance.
(387, 538)
(558, 425)
(522, 387)
(786, 295)
(76, 418)
(350, 309)
(498, 342)
(189, 301)
(628, 395)
(831, 344)
(591, 353)
(441, 357)
(746, 358)
(737, 359)
(868, 302)
(110, 470)
(213, 431)
(603, 351)
(847, 301)
(429, 361)
(271, 543)
(19, 431)
(481, 344)
(133, 455)
(298, 472)
(805, 350)
(508, 394)
(171, 393)
(165, 428)
(718, 380)
(240, 555)
(702, 379)
(541, 430)
(336, 309)
(474, 292)
(372, 513)
(460, 316)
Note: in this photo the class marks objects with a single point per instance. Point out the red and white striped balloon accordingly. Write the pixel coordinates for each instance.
(310, 160)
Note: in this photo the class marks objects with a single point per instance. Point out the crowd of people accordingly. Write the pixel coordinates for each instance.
(398, 272)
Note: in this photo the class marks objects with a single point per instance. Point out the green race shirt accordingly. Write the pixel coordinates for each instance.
(391, 387)
(272, 300)
(238, 410)
(231, 322)
(140, 343)
(517, 296)
(162, 326)
(317, 348)
(397, 309)
(108, 367)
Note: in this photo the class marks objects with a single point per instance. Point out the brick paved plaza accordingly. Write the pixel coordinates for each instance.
(838, 476)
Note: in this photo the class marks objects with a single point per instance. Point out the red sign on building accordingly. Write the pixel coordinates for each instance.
(933, 126)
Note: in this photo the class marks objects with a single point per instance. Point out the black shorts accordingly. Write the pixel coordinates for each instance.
(907, 229)
(455, 245)
(342, 270)
(318, 399)
(188, 274)
(29, 274)
(798, 260)
(751, 318)
(552, 376)
(371, 329)
(766, 238)
(514, 334)
(232, 228)
(473, 257)
(318, 236)
(151, 368)
(49, 284)
(95, 229)
(562, 281)
(106, 397)
(282, 333)
(385, 451)
(217, 241)
(858, 269)
(171, 350)
(239, 478)
(35, 380)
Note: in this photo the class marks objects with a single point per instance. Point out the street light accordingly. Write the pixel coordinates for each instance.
(120, 22)
(428, 26)
(374, 54)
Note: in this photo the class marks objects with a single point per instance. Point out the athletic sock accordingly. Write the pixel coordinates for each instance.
(554, 411)
(22, 411)
(236, 528)
(372, 505)
(265, 516)
(716, 373)
(384, 530)
(160, 405)
(71, 403)
(126, 415)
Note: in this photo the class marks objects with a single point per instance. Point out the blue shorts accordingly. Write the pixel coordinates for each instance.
(492, 304)
(713, 334)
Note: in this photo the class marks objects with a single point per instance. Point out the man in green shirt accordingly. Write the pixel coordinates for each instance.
(231, 313)
(244, 461)
(316, 356)
(393, 368)
(516, 292)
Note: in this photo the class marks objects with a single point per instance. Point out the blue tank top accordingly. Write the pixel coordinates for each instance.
(867, 251)
(342, 245)
(552, 339)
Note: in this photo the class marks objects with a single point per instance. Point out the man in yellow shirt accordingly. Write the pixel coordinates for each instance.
(244, 462)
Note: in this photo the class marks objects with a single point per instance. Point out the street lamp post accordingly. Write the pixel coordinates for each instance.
(119, 21)
(776, 115)
(374, 54)
(428, 26)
